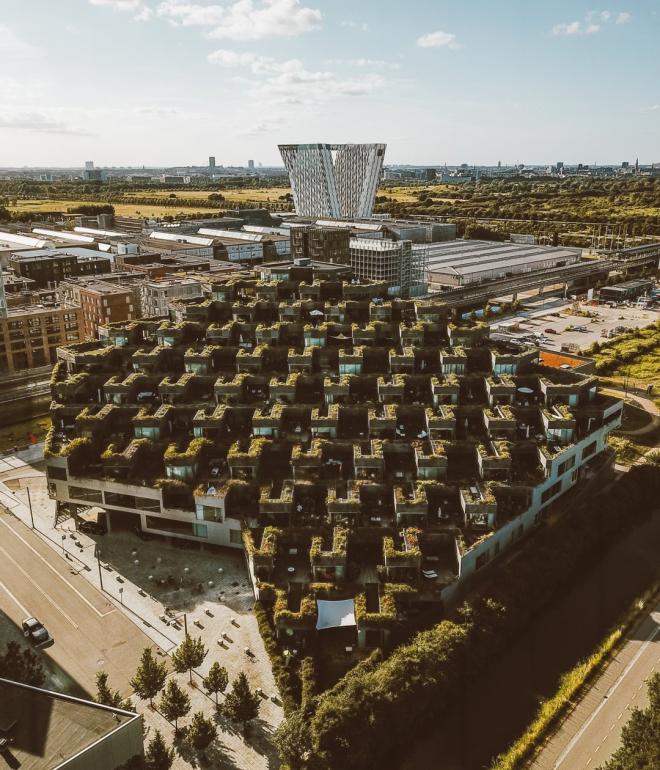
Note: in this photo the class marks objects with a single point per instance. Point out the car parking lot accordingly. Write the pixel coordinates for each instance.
(564, 327)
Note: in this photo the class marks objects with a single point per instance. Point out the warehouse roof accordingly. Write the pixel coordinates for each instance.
(461, 257)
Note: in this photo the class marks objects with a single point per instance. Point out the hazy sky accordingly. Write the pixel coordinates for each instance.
(165, 82)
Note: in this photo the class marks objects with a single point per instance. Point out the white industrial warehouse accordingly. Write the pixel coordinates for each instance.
(459, 263)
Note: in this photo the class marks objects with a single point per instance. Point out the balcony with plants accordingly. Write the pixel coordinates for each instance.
(479, 503)
(329, 565)
(403, 562)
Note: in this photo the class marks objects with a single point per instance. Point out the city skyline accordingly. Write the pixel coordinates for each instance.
(235, 79)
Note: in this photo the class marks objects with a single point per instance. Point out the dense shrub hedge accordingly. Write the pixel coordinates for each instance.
(371, 717)
(281, 671)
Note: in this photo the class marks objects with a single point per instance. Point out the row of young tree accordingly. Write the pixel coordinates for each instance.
(240, 704)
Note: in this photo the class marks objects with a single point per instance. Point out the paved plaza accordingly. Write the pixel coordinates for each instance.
(151, 589)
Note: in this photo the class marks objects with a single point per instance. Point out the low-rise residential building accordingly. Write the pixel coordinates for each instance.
(358, 447)
(30, 334)
(156, 295)
(48, 267)
(100, 302)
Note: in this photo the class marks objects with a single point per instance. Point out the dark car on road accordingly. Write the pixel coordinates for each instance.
(35, 631)
(551, 331)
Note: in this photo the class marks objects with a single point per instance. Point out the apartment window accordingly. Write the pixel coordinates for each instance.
(566, 466)
(170, 525)
(209, 513)
(200, 530)
(121, 501)
(88, 495)
(555, 489)
(147, 504)
(235, 536)
(589, 450)
(482, 559)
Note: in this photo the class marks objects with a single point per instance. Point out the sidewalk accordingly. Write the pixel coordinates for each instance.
(161, 589)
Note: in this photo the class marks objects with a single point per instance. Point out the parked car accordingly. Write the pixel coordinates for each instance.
(35, 631)
(551, 331)
(92, 528)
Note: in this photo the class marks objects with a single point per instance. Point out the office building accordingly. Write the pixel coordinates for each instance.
(337, 435)
(322, 244)
(334, 180)
(400, 266)
(211, 163)
(250, 165)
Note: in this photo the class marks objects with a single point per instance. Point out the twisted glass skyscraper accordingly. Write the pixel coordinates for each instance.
(338, 181)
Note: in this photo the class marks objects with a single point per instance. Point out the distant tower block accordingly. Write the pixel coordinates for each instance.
(334, 180)
(212, 162)
(251, 165)
(89, 165)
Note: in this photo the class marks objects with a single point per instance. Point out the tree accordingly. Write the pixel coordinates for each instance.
(640, 737)
(201, 732)
(107, 696)
(158, 755)
(174, 704)
(22, 665)
(189, 655)
(241, 704)
(149, 677)
(216, 681)
(293, 739)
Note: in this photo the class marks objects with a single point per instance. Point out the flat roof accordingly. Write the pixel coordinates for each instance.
(66, 251)
(636, 283)
(48, 728)
(461, 257)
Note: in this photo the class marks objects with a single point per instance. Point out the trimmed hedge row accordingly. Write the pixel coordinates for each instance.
(571, 684)
(281, 671)
(375, 712)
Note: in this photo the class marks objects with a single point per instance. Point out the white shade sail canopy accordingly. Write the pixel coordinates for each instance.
(335, 614)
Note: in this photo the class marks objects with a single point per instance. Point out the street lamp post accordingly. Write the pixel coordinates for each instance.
(27, 489)
(98, 562)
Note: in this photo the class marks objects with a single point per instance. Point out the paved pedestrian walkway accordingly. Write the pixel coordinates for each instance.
(163, 589)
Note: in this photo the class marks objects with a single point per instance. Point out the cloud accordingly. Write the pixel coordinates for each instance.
(11, 42)
(438, 39)
(118, 5)
(244, 19)
(592, 23)
(263, 127)
(39, 122)
(142, 12)
(571, 28)
(376, 63)
(361, 26)
(156, 110)
(289, 82)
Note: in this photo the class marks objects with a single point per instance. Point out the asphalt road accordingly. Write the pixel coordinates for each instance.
(592, 732)
(89, 633)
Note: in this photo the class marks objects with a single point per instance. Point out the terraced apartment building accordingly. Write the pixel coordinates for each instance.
(356, 447)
